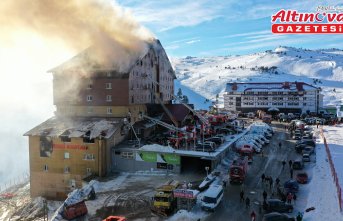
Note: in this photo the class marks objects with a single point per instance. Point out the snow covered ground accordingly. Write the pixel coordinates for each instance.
(207, 76)
(321, 190)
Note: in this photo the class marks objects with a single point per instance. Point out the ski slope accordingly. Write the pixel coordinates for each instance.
(207, 76)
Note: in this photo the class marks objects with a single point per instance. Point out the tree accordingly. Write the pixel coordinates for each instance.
(185, 99)
(179, 93)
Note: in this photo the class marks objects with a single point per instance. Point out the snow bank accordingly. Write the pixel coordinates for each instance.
(322, 191)
(183, 215)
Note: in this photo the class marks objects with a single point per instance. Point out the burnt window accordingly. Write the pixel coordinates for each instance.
(141, 63)
(65, 136)
(45, 146)
(87, 139)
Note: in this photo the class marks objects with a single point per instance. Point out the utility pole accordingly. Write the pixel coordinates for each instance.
(45, 210)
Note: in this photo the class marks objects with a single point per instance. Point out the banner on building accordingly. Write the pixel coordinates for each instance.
(147, 157)
(158, 157)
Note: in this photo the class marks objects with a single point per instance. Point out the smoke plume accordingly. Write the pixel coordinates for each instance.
(79, 24)
(37, 35)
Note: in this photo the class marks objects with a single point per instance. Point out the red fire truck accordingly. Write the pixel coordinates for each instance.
(238, 170)
(216, 120)
(246, 151)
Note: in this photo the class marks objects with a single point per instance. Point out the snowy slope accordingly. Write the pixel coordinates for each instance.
(208, 76)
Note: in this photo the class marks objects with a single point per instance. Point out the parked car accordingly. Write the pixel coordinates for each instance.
(307, 142)
(308, 149)
(217, 140)
(276, 205)
(306, 157)
(302, 178)
(297, 136)
(291, 186)
(226, 131)
(298, 164)
(274, 216)
(204, 147)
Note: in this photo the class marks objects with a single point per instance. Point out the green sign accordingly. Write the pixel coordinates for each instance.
(148, 156)
(171, 158)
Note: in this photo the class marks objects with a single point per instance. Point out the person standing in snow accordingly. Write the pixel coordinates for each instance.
(299, 217)
(247, 203)
(289, 198)
(283, 164)
(264, 195)
(241, 194)
(277, 182)
(253, 215)
(263, 177)
(294, 198)
(290, 162)
(270, 182)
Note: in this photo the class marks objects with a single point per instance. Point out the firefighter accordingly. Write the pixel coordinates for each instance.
(280, 145)
(241, 194)
(291, 173)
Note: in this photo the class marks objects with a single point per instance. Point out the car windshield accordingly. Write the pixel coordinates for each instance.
(207, 199)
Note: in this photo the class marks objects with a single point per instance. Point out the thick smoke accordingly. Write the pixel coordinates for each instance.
(79, 23)
(37, 35)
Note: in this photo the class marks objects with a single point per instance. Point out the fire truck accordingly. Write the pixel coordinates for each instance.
(246, 151)
(238, 169)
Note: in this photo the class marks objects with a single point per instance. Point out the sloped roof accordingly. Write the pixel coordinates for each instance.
(270, 86)
(118, 58)
(77, 127)
(179, 111)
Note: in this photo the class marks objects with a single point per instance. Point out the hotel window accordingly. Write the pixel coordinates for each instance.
(65, 137)
(66, 155)
(45, 168)
(89, 98)
(109, 110)
(109, 98)
(109, 74)
(88, 171)
(108, 85)
(89, 86)
(66, 169)
(89, 156)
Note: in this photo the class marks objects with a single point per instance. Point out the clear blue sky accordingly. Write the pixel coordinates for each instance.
(224, 27)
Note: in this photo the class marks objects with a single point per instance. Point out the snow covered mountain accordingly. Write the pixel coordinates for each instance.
(207, 76)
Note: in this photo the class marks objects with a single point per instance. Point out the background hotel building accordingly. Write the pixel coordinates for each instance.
(286, 96)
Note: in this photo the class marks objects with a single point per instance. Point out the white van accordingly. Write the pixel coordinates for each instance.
(212, 197)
